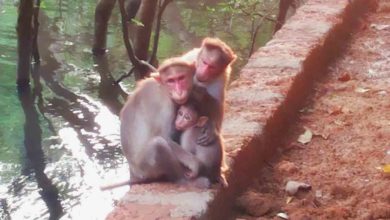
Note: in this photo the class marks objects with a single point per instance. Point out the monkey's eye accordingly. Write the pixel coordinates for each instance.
(181, 78)
(187, 118)
(170, 81)
(180, 113)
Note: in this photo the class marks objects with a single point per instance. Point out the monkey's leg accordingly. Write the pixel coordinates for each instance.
(186, 158)
(222, 181)
(158, 160)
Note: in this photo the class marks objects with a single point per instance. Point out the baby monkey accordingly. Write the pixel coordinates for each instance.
(190, 120)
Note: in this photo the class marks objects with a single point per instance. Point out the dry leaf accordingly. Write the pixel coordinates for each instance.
(289, 199)
(339, 123)
(305, 137)
(344, 77)
(386, 168)
(324, 136)
(282, 215)
(380, 27)
(292, 187)
(318, 194)
(335, 110)
(361, 90)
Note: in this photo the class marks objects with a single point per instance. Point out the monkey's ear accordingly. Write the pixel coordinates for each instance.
(156, 76)
(202, 120)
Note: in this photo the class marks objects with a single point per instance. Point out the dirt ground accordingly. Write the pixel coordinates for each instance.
(347, 124)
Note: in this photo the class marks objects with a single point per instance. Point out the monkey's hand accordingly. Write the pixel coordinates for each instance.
(189, 174)
(222, 181)
(208, 135)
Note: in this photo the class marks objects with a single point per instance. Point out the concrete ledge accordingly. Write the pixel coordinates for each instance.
(261, 106)
(264, 102)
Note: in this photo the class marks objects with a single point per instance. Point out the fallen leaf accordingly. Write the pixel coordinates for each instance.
(318, 193)
(339, 123)
(361, 90)
(320, 132)
(386, 168)
(282, 215)
(372, 73)
(335, 110)
(324, 136)
(380, 27)
(344, 77)
(382, 92)
(292, 187)
(305, 137)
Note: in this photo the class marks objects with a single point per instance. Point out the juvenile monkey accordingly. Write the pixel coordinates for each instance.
(147, 121)
(190, 120)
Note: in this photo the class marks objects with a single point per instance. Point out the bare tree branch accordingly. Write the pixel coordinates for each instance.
(137, 63)
(161, 8)
(125, 75)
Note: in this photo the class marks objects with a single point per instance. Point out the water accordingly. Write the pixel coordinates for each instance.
(60, 142)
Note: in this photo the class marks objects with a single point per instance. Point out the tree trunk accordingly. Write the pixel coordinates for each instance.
(102, 16)
(35, 50)
(283, 8)
(142, 39)
(24, 31)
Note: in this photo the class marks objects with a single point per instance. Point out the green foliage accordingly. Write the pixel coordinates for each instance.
(234, 21)
(43, 5)
(252, 9)
(137, 22)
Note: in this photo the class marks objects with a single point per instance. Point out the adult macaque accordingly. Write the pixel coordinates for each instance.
(190, 120)
(213, 66)
(147, 122)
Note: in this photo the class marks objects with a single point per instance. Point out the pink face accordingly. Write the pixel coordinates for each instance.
(179, 83)
(185, 118)
(207, 66)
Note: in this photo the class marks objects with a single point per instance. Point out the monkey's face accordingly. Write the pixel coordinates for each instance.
(178, 80)
(209, 65)
(185, 118)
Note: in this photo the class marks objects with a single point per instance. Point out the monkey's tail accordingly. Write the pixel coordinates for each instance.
(115, 185)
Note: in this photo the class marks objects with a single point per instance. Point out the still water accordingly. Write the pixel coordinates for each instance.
(60, 142)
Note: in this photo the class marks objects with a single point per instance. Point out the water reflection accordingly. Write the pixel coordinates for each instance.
(71, 135)
(109, 91)
(34, 154)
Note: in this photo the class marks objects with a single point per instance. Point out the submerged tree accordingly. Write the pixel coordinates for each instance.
(27, 31)
(138, 54)
(24, 32)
